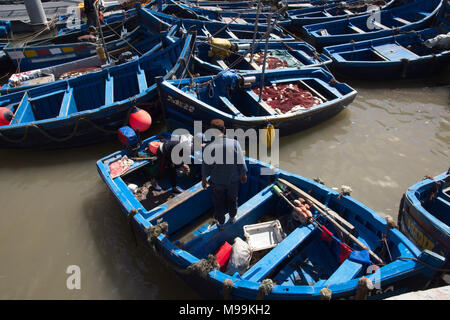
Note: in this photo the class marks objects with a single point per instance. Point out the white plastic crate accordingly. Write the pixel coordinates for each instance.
(263, 235)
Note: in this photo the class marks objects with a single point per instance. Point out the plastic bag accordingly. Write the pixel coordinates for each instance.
(241, 254)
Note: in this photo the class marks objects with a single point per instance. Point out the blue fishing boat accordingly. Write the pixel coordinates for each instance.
(412, 16)
(300, 261)
(208, 29)
(424, 215)
(218, 55)
(291, 99)
(234, 16)
(131, 46)
(90, 108)
(334, 11)
(409, 55)
(46, 52)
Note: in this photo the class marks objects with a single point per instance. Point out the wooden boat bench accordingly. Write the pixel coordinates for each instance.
(380, 26)
(206, 242)
(355, 28)
(68, 105)
(262, 103)
(230, 107)
(346, 271)
(401, 20)
(24, 112)
(272, 259)
(394, 52)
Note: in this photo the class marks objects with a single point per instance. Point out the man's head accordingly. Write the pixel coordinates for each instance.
(218, 124)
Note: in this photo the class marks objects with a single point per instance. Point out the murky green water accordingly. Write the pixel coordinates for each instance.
(57, 212)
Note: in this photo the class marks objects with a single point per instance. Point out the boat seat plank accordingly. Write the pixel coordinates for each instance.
(142, 81)
(177, 200)
(68, 105)
(348, 11)
(272, 259)
(231, 108)
(355, 28)
(262, 103)
(401, 20)
(346, 271)
(109, 90)
(394, 52)
(327, 14)
(380, 26)
(24, 111)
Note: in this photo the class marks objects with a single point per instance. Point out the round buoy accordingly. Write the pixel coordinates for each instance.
(140, 120)
(5, 116)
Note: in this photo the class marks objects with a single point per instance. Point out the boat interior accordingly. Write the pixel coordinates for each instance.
(301, 258)
(243, 101)
(435, 198)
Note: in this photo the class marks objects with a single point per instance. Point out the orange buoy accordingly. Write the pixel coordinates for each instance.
(140, 120)
(5, 116)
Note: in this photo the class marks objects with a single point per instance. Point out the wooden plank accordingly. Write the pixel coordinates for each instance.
(346, 271)
(313, 90)
(380, 26)
(402, 20)
(230, 106)
(355, 28)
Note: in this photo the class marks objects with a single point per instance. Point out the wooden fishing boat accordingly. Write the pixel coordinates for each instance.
(144, 42)
(208, 29)
(90, 108)
(335, 11)
(401, 56)
(292, 99)
(412, 16)
(38, 54)
(304, 261)
(242, 17)
(218, 54)
(424, 215)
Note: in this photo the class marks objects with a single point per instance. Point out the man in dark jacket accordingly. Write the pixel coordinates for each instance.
(225, 174)
(89, 10)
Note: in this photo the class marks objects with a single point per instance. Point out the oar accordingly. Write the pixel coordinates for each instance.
(277, 190)
(330, 214)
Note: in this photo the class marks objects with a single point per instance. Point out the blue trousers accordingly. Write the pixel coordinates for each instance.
(225, 199)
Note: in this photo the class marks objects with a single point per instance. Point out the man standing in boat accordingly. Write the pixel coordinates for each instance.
(223, 162)
(89, 11)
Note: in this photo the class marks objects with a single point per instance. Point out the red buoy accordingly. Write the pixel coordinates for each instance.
(5, 116)
(140, 120)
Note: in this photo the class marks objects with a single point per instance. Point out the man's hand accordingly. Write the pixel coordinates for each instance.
(204, 183)
(243, 178)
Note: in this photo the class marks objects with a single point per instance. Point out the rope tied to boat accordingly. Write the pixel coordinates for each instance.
(362, 289)
(345, 191)
(433, 193)
(228, 285)
(325, 294)
(204, 266)
(264, 289)
(153, 232)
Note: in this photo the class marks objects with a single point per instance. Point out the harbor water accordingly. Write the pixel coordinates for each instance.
(56, 212)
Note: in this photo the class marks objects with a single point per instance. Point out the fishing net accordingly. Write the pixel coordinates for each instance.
(276, 59)
(288, 97)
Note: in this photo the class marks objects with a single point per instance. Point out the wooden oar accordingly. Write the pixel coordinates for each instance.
(327, 211)
(337, 225)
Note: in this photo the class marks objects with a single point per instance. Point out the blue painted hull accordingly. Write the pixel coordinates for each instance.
(182, 109)
(256, 200)
(425, 219)
(412, 16)
(89, 108)
(399, 57)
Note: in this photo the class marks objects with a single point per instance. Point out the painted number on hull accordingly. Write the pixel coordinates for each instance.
(181, 104)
